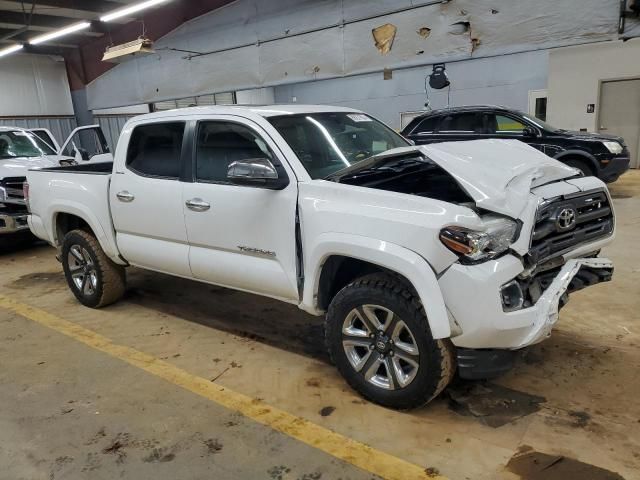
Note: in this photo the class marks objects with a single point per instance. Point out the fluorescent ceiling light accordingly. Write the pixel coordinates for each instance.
(123, 12)
(9, 50)
(59, 33)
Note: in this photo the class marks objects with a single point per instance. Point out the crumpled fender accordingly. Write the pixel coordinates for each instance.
(387, 255)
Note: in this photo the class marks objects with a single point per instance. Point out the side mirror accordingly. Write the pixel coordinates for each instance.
(529, 132)
(256, 172)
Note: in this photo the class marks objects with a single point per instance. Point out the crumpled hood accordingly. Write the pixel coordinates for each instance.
(17, 167)
(497, 174)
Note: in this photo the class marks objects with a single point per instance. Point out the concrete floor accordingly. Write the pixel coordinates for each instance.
(69, 411)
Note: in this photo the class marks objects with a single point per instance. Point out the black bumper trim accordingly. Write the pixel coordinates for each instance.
(478, 364)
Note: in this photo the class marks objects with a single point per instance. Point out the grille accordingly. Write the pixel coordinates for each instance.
(569, 221)
(13, 187)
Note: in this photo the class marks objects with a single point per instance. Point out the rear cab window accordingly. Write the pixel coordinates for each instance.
(155, 150)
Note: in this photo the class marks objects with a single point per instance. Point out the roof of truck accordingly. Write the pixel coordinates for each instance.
(261, 110)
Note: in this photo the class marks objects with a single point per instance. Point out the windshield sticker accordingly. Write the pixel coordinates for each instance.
(358, 117)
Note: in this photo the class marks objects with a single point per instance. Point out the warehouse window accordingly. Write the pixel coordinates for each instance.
(220, 144)
(155, 150)
(227, 98)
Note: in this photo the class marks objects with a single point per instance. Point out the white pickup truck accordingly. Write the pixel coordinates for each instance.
(23, 149)
(424, 259)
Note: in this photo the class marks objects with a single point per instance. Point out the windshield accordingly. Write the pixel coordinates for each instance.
(539, 123)
(328, 142)
(19, 143)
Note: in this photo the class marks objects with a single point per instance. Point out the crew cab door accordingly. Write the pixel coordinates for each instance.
(87, 144)
(145, 196)
(243, 237)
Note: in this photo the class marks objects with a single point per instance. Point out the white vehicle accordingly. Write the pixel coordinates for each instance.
(424, 259)
(23, 149)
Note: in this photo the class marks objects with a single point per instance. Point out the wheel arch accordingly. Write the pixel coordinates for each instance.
(70, 217)
(337, 259)
(581, 155)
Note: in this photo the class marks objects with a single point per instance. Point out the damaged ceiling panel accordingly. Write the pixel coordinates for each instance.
(307, 57)
(383, 37)
(361, 54)
(256, 43)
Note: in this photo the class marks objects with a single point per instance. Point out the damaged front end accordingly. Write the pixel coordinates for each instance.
(535, 237)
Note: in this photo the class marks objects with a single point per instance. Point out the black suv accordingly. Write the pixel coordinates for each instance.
(605, 156)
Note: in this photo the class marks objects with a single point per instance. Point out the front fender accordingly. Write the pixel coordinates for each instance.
(384, 254)
(578, 153)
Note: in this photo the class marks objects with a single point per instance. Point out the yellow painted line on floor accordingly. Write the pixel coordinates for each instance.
(344, 448)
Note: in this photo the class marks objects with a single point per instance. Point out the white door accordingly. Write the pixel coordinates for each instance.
(241, 237)
(47, 136)
(620, 113)
(146, 200)
(87, 144)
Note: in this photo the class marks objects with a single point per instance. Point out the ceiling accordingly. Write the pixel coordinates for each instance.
(24, 20)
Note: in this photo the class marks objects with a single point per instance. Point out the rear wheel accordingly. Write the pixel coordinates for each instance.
(378, 336)
(92, 277)
(581, 165)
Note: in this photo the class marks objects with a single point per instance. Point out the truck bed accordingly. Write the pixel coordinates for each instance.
(80, 191)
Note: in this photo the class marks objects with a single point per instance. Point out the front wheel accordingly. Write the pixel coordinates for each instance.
(92, 277)
(581, 165)
(378, 336)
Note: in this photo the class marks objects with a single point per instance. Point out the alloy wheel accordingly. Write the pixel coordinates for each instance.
(380, 346)
(82, 270)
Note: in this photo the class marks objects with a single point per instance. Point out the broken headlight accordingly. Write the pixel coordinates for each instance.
(478, 246)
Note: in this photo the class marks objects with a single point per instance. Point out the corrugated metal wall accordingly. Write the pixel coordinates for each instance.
(60, 127)
(112, 126)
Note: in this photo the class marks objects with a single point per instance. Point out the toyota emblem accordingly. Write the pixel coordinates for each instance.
(566, 219)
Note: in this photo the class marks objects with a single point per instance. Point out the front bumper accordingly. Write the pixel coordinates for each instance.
(472, 296)
(612, 170)
(13, 222)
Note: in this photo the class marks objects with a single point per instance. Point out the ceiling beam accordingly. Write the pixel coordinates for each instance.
(37, 21)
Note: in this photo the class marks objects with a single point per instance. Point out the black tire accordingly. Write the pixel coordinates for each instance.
(581, 165)
(92, 277)
(435, 360)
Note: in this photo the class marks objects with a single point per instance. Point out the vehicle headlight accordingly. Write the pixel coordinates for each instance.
(478, 246)
(613, 147)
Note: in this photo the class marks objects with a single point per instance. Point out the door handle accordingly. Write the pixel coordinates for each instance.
(197, 205)
(125, 196)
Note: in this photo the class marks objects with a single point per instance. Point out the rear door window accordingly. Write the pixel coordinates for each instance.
(155, 150)
(461, 123)
(428, 125)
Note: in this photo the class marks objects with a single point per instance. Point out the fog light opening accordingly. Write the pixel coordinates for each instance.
(512, 296)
